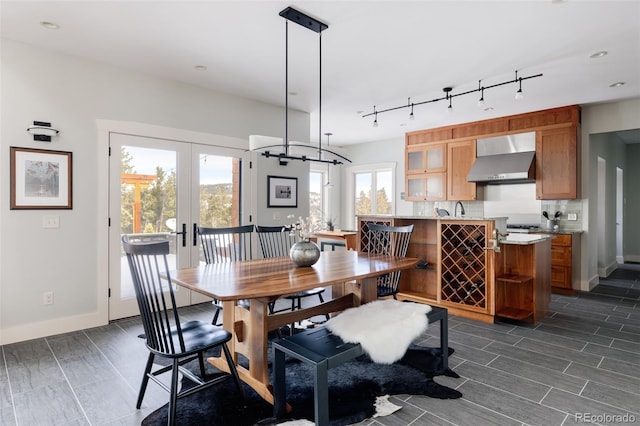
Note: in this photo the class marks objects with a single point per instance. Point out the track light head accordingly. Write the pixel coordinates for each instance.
(481, 102)
(519, 94)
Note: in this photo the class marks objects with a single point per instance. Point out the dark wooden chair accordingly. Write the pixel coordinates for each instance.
(165, 335)
(276, 241)
(393, 241)
(221, 245)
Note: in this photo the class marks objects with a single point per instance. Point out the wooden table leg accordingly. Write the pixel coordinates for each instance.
(249, 329)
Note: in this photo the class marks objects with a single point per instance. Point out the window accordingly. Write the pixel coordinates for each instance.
(317, 196)
(371, 189)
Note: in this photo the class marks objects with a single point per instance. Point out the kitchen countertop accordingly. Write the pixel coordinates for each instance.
(525, 239)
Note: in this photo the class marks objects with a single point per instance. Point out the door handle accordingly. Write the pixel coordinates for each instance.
(184, 234)
(195, 234)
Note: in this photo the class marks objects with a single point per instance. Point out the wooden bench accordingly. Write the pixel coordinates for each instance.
(323, 350)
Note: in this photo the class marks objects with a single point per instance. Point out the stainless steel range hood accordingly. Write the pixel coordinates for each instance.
(505, 159)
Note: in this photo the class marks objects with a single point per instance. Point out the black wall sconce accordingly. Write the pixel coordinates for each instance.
(42, 131)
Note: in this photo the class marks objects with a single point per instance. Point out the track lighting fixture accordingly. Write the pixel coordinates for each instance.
(283, 150)
(411, 116)
(481, 100)
(449, 95)
(519, 94)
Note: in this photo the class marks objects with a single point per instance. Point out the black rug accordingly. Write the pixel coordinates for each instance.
(353, 388)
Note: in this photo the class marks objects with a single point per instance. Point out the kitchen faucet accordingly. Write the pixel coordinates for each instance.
(455, 210)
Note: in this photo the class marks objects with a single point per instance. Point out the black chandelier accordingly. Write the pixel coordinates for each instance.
(449, 96)
(319, 155)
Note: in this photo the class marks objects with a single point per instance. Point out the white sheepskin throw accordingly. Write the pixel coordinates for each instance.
(384, 328)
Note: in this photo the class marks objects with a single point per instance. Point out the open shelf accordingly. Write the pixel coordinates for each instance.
(515, 279)
(514, 313)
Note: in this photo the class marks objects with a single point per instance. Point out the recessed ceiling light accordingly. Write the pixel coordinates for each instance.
(293, 93)
(599, 54)
(49, 25)
(200, 68)
(617, 84)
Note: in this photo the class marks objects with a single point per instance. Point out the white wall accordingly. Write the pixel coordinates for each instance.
(73, 94)
(387, 151)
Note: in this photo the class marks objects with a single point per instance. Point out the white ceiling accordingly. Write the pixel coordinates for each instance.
(373, 53)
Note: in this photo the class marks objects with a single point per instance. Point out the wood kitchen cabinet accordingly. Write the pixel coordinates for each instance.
(564, 257)
(438, 171)
(426, 187)
(425, 172)
(426, 158)
(557, 153)
(458, 271)
(460, 158)
(556, 164)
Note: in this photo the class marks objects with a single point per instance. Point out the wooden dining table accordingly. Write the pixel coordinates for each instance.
(352, 276)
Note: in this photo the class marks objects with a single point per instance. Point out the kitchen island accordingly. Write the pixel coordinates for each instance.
(467, 267)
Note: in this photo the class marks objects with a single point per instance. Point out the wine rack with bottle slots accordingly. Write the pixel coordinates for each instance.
(463, 275)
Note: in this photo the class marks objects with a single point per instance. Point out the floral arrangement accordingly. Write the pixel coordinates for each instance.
(304, 228)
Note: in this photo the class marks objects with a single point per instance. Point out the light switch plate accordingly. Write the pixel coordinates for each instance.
(572, 216)
(51, 221)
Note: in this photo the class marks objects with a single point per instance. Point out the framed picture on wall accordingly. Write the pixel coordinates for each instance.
(40, 179)
(282, 191)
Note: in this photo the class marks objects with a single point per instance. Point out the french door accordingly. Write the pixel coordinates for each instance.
(159, 189)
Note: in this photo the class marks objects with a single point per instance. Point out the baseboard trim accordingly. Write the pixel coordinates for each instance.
(594, 281)
(41, 329)
(632, 258)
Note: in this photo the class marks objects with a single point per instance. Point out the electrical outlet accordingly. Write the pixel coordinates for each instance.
(47, 298)
(572, 216)
(276, 216)
(51, 221)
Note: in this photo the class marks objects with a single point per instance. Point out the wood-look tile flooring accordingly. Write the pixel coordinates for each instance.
(580, 364)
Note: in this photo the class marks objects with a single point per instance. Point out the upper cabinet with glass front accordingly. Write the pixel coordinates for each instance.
(431, 158)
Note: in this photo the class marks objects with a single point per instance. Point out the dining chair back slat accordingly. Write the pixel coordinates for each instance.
(275, 241)
(156, 301)
(391, 241)
(222, 245)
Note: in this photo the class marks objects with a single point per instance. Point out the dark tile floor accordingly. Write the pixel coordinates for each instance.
(580, 364)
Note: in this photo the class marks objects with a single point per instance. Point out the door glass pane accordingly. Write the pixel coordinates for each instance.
(147, 201)
(219, 201)
(384, 193)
